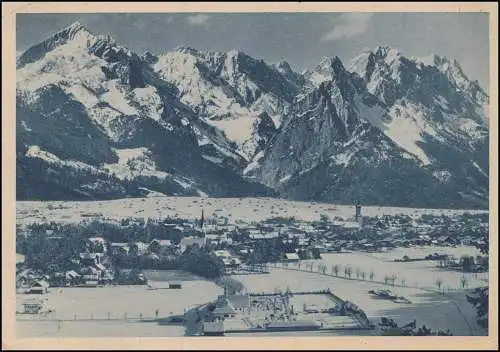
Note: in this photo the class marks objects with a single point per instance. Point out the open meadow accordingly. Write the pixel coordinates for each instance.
(243, 209)
(84, 311)
(423, 274)
(415, 280)
(95, 329)
(430, 308)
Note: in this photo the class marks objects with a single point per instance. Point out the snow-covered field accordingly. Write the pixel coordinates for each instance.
(96, 303)
(450, 311)
(95, 329)
(130, 300)
(245, 209)
(419, 273)
(428, 308)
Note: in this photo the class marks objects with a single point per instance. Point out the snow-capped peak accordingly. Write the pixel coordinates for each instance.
(72, 32)
(441, 62)
(235, 53)
(359, 63)
(187, 50)
(75, 32)
(286, 70)
(327, 70)
(387, 52)
(283, 67)
(384, 54)
(75, 26)
(387, 63)
(454, 72)
(429, 60)
(244, 115)
(325, 62)
(282, 64)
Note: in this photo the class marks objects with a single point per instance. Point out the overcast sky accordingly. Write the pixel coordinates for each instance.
(299, 38)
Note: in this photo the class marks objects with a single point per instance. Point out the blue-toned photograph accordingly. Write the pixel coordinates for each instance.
(252, 174)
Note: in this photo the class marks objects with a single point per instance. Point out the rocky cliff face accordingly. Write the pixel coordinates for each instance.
(96, 120)
(389, 130)
(242, 97)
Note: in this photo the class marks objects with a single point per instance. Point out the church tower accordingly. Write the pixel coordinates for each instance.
(358, 210)
(202, 219)
(359, 216)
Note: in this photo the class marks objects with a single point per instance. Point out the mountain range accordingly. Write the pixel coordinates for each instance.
(95, 120)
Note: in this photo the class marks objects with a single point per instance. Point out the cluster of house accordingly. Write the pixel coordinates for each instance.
(231, 262)
(90, 272)
(464, 263)
(389, 240)
(393, 236)
(156, 247)
(334, 240)
(235, 243)
(308, 237)
(478, 263)
(333, 236)
(30, 281)
(93, 267)
(234, 251)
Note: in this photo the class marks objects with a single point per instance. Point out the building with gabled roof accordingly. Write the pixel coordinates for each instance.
(97, 239)
(39, 287)
(213, 328)
(225, 311)
(120, 247)
(140, 247)
(223, 254)
(192, 240)
(292, 257)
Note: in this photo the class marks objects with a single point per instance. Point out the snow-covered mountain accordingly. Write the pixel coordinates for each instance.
(241, 96)
(386, 130)
(96, 120)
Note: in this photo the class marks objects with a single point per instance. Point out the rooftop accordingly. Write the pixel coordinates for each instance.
(227, 309)
(41, 283)
(96, 239)
(223, 253)
(162, 242)
(292, 256)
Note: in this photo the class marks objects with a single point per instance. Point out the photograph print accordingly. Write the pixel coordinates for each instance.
(237, 174)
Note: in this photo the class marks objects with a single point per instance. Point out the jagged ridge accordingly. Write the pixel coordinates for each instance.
(387, 129)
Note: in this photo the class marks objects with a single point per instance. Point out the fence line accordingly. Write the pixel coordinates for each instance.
(442, 291)
(103, 316)
(389, 283)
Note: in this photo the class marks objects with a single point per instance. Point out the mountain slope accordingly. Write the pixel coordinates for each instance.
(243, 97)
(392, 131)
(97, 121)
(84, 103)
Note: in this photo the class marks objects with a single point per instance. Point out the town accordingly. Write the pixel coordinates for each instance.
(175, 267)
(99, 252)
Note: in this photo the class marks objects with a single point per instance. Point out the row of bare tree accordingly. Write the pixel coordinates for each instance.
(348, 272)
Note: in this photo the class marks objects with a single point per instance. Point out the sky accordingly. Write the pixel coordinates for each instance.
(301, 39)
